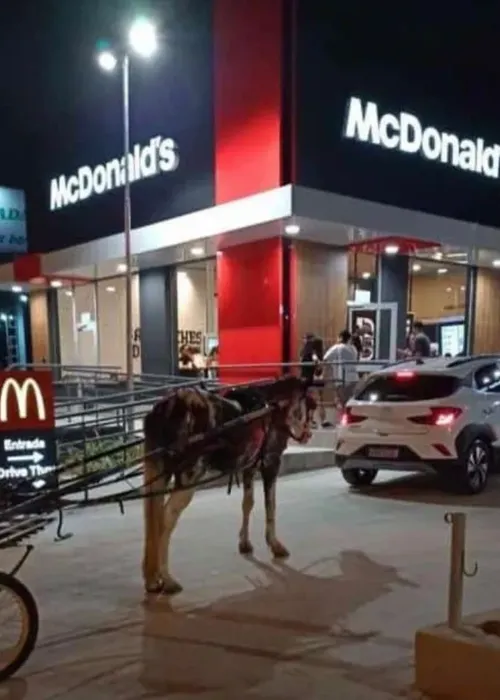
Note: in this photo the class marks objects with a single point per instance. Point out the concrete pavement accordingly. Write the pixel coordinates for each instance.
(335, 621)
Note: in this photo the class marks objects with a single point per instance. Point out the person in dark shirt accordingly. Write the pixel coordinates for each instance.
(307, 358)
(421, 342)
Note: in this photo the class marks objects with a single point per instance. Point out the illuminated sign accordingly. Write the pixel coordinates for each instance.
(159, 156)
(404, 132)
(27, 439)
(21, 390)
(26, 401)
(13, 236)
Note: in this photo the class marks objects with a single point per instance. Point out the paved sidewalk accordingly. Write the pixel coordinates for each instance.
(335, 621)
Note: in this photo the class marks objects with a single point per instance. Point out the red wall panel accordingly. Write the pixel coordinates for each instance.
(249, 295)
(248, 45)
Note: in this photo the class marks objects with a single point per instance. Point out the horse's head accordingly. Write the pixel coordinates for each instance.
(295, 406)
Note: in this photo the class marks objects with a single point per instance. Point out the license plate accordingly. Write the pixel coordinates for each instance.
(383, 452)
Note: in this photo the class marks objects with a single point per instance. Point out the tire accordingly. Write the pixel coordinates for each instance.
(474, 469)
(359, 477)
(29, 613)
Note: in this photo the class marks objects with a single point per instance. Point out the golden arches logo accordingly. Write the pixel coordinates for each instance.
(21, 390)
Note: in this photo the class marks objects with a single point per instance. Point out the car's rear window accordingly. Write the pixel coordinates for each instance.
(418, 387)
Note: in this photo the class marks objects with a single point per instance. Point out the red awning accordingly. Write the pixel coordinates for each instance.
(407, 246)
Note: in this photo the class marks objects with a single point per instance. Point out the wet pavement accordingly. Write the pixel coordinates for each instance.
(335, 620)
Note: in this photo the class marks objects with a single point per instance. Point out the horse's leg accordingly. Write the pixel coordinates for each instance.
(177, 502)
(245, 546)
(269, 472)
(154, 482)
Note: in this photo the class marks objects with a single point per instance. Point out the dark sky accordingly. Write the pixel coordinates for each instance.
(47, 64)
(47, 69)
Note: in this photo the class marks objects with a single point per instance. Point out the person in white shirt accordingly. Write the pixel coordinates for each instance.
(340, 363)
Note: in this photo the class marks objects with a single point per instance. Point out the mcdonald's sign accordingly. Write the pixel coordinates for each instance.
(26, 401)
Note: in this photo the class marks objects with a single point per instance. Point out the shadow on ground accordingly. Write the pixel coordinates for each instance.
(425, 488)
(289, 622)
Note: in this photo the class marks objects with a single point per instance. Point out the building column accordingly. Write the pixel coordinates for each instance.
(39, 323)
(392, 286)
(485, 330)
(251, 310)
(158, 314)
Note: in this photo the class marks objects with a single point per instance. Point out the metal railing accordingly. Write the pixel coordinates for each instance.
(101, 413)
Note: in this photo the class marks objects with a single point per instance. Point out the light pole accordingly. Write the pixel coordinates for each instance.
(142, 40)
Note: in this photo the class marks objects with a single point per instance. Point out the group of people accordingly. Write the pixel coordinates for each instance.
(334, 370)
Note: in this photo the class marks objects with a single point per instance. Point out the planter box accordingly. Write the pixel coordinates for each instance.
(459, 665)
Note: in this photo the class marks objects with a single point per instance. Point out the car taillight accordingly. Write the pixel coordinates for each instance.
(441, 417)
(348, 418)
(405, 374)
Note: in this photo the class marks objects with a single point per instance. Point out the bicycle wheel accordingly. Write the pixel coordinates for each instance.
(18, 625)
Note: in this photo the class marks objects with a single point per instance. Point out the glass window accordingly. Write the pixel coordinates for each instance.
(111, 322)
(488, 378)
(416, 387)
(437, 290)
(196, 311)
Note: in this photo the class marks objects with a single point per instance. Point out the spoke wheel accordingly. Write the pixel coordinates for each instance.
(18, 625)
(477, 465)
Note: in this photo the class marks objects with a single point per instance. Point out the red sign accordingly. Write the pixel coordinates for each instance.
(26, 401)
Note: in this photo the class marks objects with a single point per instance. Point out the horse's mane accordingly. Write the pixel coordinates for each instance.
(163, 423)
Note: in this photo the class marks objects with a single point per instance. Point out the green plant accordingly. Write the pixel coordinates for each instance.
(79, 453)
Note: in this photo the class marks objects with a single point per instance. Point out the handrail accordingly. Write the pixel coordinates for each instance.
(95, 369)
(129, 404)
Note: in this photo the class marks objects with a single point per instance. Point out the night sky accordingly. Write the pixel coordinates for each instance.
(47, 71)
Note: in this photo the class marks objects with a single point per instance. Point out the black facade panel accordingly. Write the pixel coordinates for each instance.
(170, 96)
(404, 65)
(393, 284)
(158, 308)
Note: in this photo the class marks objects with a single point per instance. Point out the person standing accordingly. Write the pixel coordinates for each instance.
(341, 360)
(421, 341)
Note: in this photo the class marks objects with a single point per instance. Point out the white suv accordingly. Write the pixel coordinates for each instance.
(439, 415)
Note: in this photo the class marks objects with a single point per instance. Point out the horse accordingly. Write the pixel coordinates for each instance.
(284, 410)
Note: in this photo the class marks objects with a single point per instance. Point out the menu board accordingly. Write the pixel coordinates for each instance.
(452, 339)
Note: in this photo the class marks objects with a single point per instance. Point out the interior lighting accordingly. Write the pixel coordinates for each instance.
(391, 249)
(56, 284)
(292, 229)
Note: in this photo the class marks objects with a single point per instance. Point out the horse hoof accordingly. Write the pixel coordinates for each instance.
(245, 548)
(154, 588)
(280, 551)
(171, 587)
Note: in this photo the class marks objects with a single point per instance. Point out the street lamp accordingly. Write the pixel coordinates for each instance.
(143, 41)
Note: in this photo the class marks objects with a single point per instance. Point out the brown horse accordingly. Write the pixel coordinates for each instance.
(283, 409)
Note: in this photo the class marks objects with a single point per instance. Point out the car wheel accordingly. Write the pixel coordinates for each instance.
(359, 477)
(476, 466)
